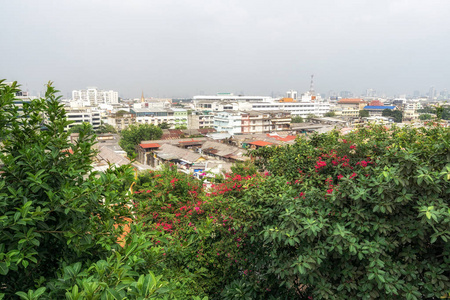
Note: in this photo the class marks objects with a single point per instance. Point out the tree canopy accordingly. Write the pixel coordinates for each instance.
(297, 119)
(60, 220)
(164, 125)
(132, 136)
(397, 115)
(81, 128)
(359, 216)
(364, 113)
(362, 216)
(106, 128)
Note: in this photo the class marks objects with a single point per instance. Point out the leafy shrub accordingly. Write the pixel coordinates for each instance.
(362, 216)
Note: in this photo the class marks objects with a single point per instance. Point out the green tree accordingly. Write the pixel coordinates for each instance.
(135, 134)
(330, 114)
(360, 216)
(58, 216)
(121, 113)
(397, 115)
(311, 116)
(425, 117)
(181, 127)
(297, 119)
(106, 128)
(164, 125)
(82, 127)
(439, 112)
(364, 113)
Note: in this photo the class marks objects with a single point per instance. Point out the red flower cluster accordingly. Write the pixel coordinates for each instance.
(320, 164)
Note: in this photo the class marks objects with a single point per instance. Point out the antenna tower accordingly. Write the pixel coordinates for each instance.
(311, 87)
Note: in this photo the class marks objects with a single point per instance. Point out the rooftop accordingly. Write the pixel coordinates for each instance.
(378, 107)
(151, 145)
(351, 101)
(261, 143)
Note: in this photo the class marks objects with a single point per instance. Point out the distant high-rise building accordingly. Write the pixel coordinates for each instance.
(93, 97)
(443, 94)
(291, 94)
(416, 94)
(346, 94)
(371, 93)
(431, 93)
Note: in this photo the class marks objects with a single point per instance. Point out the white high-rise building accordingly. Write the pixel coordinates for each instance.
(93, 97)
(291, 94)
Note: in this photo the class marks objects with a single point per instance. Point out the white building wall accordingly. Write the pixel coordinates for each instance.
(228, 122)
(93, 97)
(80, 116)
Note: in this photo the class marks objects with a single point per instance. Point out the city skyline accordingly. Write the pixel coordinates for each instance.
(176, 49)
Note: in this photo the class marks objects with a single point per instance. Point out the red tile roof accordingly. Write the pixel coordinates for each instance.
(283, 139)
(260, 143)
(376, 103)
(146, 146)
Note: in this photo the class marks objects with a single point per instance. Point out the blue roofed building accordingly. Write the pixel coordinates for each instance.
(378, 110)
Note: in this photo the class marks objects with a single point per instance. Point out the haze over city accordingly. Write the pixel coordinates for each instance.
(183, 48)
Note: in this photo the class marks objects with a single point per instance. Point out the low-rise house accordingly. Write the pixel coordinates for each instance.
(265, 121)
(169, 153)
(145, 152)
(259, 144)
(378, 110)
(223, 151)
(351, 107)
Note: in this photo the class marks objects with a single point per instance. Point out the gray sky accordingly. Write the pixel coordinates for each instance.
(175, 48)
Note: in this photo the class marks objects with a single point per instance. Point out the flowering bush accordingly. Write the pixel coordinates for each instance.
(357, 217)
(327, 218)
(199, 243)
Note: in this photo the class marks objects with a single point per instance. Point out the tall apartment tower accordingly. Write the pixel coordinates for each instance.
(93, 97)
(291, 94)
(432, 93)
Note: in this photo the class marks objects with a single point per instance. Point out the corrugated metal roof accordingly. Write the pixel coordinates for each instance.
(378, 107)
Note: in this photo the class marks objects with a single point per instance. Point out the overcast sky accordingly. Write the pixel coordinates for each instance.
(180, 48)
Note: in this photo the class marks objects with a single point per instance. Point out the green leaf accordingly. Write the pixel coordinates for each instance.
(16, 216)
(3, 268)
(22, 295)
(115, 294)
(39, 292)
(25, 263)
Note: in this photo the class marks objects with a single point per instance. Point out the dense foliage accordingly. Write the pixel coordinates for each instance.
(81, 128)
(366, 216)
(360, 216)
(132, 136)
(60, 221)
(440, 111)
(425, 117)
(397, 115)
(297, 119)
(364, 113)
(106, 128)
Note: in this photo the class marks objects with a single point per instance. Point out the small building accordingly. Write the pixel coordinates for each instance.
(145, 152)
(378, 110)
(259, 144)
(351, 107)
(169, 153)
